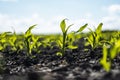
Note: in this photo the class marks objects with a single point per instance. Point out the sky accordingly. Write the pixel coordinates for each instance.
(19, 15)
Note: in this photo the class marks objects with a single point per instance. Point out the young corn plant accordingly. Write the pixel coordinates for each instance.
(115, 49)
(35, 44)
(3, 41)
(72, 37)
(62, 43)
(104, 60)
(30, 40)
(65, 41)
(3, 45)
(12, 41)
(94, 38)
(114, 45)
(16, 42)
(112, 51)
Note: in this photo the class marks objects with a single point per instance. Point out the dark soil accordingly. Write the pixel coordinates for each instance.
(76, 64)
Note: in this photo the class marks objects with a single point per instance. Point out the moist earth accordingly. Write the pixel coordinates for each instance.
(75, 64)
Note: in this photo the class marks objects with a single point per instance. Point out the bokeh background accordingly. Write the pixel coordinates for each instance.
(18, 15)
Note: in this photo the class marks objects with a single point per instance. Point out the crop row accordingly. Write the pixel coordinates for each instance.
(30, 43)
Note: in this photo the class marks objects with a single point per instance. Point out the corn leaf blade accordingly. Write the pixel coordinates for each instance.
(63, 25)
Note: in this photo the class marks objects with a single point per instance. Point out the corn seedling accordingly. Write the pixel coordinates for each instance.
(71, 37)
(67, 40)
(29, 43)
(13, 41)
(3, 41)
(64, 30)
(30, 40)
(112, 51)
(104, 61)
(94, 38)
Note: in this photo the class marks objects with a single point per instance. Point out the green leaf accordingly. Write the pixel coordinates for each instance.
(60, 43)
(113, 52)
(115, 49)
(106, 64)
(68, 28)
(72, 47)
(99, 28)
(59, 54)
(82, 28)
(31, 27)
(1, 48)
(90, 40)
(105, 52)
(3, 35)
(63, 25)
(28, 32)
(92, 32)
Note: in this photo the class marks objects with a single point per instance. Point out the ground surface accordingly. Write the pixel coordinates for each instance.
(76, 64)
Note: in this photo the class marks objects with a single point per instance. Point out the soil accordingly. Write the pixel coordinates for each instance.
(76, 64)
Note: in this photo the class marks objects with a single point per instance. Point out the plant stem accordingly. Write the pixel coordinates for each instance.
(63, 48)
